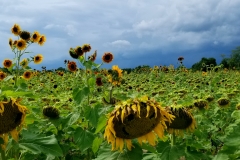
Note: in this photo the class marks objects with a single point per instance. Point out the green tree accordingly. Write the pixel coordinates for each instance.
(234, 60)
(204, 63)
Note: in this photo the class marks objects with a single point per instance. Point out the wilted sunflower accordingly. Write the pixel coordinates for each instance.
(99, 81)
(93, 56)
(78, 50)
(86, 48)
(115, 75)
(183, 121)
(35, 37)
(136, 118)
(73, 53)
(2, 75)
(50, 112)
(223, 102)
(10, 42)
(42, 40)
(25, 35)
(21, 44)
(12, 116)
(72, 66)
(107, 57)
(24, 63)
(16, 30)
(7, 63)
(38, 58)
(201, 104)
(27, 75)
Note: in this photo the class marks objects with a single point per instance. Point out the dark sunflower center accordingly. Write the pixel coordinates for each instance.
(20, 44)
(182, 120)
(34, 36)
(40, 40)
(107, 57)
(72, 66)
(134, 126)
(37, 58)
(15, 29)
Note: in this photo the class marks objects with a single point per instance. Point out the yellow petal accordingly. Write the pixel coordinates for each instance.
(139, 110)
(159, 130)
(148, 109)
(129, 144)
(119, 143)
(134, 108)
(151, 138)
(14, 134)
(123, 114)
(1, 108)
(141, 139)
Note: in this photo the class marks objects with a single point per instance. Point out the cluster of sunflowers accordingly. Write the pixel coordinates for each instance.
(145, 119)
(25, 39)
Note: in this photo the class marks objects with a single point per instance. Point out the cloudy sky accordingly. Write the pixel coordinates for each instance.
(137, 32)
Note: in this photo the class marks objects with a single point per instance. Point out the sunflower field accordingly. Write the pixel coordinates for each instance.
(87, 112)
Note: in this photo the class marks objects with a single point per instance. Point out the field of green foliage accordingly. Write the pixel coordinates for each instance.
(88, 112)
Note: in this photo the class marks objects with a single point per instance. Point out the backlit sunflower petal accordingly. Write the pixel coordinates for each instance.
(129, 144)
(123, 115)
(134, 108)
(159, 130)
(148, 109)
(141, 139)
(151, 138)
(14, 134)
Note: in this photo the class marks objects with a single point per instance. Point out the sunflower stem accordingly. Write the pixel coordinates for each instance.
(3, 156)
(173, 140)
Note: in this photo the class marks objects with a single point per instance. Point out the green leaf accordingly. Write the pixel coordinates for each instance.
(221, 157)
(41, 144)
(79, 94)
(106, 153)
(69, 120)
(10, 93)
(92, 115)
(83, 138)
(172, 153)
(91, 81)
(149, 148)
(101, 123)
(96, 144)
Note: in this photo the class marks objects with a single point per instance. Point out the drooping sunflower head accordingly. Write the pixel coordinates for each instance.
(25, 35)
(223, 102)
(2, 75)
(38, 59)
(86, 48)
(72, 66)
(42, 40)
(51, 112)
(16, 30)
(24, 63)
(10, 42)
(201, 104)
(7, 63)
(27, 75)
(183, 121)
(12, 116)
(99, 81)
(140, 118)
(107, 57)
(73, 54)
(21, 44)
(78, 50)
(93, 56)
(35, 37)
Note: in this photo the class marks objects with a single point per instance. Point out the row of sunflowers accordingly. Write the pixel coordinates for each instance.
(93, 113)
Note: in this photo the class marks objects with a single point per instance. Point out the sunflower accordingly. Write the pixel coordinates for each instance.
(42, 40)
(2, 75)
(27, 75)
(73, 54)
(200, 104)
(25, 35)
(140, 118)
(107, 57)
(10, 42)
(35, 37)
(72, 66)
(78, 50)
(24, 63)
(7, 63)
(50, 112)
(99, 81)
(86, 48)
(223, 102)
(21, 44)
(12, 116)
(16, 30)
(115, 75)
(183, 121)
(93, 56)
(38, 59)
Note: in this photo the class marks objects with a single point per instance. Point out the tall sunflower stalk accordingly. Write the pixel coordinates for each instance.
(19, 46)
